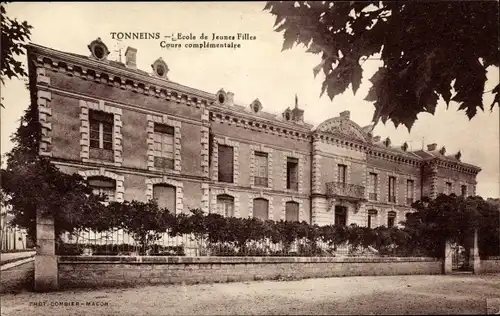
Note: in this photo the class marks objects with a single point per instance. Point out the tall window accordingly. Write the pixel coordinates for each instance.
(373, 183)
(464, 190)
(292, 211)
(447, 188)
(225, 205)
(340, 215)
(261, 169)
(166, 196)
(163, 146)
(103, 185)
(391, 219)
(372, 214)
(226, 163)
(292, 174)
(101, 135)
(392, 189)
(342, 170)
(410, 186)
(261, 209)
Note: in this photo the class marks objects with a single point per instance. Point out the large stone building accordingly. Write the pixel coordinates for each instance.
(138, 135)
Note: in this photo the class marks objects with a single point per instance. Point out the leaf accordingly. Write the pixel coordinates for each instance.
(318, 68)
(356, 76)
(496, 99)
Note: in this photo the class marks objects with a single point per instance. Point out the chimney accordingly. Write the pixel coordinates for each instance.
(432, 147)
(345, 114)
(230, 98)
(376, 139)
(130, 55)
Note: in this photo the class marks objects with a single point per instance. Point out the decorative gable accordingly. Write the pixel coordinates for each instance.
(160, 69)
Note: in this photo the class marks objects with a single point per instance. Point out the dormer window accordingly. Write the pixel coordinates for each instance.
(222, 99)
(256, 106)
(287, 116)
(160, 68)
(98, 49)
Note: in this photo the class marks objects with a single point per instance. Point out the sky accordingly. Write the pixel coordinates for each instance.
(259, 69)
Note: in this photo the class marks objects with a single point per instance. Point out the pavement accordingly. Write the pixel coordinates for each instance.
(14, 256)
(374, 295)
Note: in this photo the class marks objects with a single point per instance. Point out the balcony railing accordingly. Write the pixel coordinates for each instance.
(260, 181)
(345, 189)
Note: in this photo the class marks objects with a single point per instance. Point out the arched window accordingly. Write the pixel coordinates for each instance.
(103, 185)
(292, 211)
(166, 196)
(225, 205)
(372, 214)
(391, 219)
(261, 209)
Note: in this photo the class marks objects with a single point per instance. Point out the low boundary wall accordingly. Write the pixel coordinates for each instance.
(106, 271)
(490, 265)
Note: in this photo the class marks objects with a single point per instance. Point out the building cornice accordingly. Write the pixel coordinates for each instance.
(260, 124)
(453, 165)
(126, 79)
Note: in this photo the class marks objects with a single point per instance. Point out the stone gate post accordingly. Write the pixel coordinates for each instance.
(46, 274)
(447, 258)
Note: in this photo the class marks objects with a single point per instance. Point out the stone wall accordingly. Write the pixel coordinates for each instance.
(490, 265)
(120, 271)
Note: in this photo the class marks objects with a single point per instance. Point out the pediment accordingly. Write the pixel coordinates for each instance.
(343, 128)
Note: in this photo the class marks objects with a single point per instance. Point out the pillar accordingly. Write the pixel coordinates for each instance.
(447, 260)
(46, 274)
(474, 260)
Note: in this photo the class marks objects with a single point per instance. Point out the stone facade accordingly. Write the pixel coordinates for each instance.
(323, 170)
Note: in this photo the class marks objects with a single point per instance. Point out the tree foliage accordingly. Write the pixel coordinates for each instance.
(32, 183)
(15, 34)
(428, 50)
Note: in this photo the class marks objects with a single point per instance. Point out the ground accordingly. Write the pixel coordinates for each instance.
(440, 294)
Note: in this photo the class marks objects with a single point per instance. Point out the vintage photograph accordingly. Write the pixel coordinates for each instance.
(250, 158)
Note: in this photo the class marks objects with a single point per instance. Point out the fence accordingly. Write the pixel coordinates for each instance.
(117, 242)
(12, 239)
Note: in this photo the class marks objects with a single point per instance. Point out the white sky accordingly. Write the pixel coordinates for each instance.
(257, 70)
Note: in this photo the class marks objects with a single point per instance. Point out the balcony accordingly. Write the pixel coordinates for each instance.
(346, 190)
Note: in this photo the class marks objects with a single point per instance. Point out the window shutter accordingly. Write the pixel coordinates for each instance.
(260, 209)
(292, 211)
(226, 167)
(166, 197)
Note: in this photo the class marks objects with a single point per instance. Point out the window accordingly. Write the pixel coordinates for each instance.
(373, 182)
(292, 174)
(261, 169)
(342, 169)
(391, 218)
(225, 205)
(103, 185)
(101, 135)
(163, 138)
(392, 189)
(226, 156)
(165, 195)
(340, 215)
(447, 188)
(464, 190)
(372, 214)
(410, 187)
(261, 209)
(292, 211)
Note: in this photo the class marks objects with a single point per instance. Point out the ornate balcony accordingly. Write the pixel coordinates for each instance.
(345, 190)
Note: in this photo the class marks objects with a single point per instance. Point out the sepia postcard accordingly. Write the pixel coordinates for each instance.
(250, 158)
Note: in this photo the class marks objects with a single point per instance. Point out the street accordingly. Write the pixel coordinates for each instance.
(442, 294)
